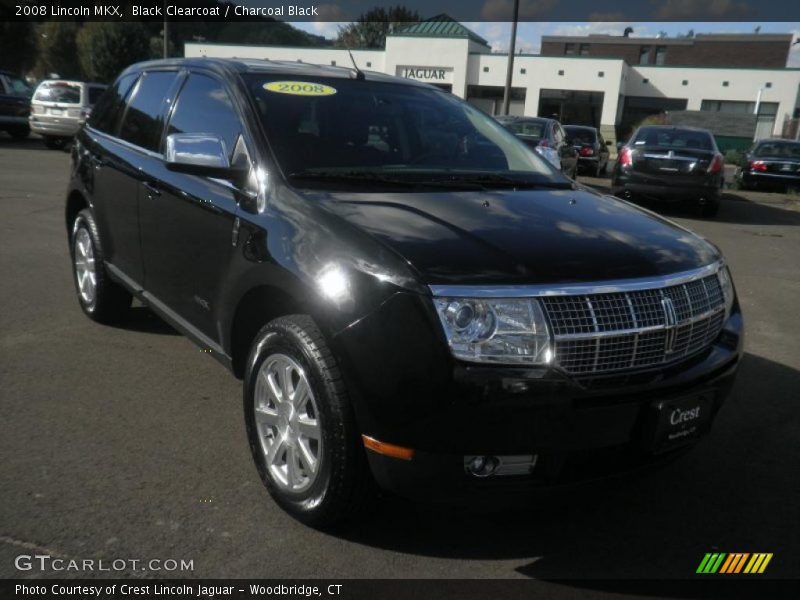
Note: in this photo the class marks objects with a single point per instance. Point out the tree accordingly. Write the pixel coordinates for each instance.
(56, 50)
(17, 46)
(106, 48)
(372, 27)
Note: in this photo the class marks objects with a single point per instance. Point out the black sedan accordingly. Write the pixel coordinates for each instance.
(770, 164)
(548, 138)
(671, 163)
(592, 149)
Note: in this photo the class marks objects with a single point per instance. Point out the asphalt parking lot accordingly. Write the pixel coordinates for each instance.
(129, 441)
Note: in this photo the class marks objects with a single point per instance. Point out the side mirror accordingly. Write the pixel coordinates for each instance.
(199, 154)
(619, 146)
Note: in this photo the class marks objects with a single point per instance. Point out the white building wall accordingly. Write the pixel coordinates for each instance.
(707, 84)
(448, 53)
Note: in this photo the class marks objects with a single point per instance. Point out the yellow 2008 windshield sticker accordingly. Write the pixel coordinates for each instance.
(300, 88)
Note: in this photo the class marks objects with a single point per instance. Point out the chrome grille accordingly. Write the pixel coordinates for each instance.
(605, 332)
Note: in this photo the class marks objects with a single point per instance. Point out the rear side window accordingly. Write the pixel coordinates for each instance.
(58, 91)
(205, 107)
(107, 112)
(674, 138)
(142, 122)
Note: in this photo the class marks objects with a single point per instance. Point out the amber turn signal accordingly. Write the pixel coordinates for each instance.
(387, 449)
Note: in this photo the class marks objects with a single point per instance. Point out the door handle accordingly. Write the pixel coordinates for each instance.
(152, 190)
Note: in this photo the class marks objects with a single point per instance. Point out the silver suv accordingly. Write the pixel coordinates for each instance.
(59, 108)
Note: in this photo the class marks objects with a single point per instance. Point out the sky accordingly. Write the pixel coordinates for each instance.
(529, 34)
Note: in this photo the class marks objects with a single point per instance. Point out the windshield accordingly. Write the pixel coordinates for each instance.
(674, 138)
(17, 87)
(353, 128)
(58, 91)
(581, 135)
(778, 150)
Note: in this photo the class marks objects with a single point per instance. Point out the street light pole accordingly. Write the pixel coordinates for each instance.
(510, 70)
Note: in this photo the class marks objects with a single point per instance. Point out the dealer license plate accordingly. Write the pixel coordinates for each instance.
(679, 421)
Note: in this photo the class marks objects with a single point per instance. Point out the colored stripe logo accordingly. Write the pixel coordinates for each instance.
(734, 562)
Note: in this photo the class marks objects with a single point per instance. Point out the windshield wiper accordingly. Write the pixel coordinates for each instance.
(373, 177)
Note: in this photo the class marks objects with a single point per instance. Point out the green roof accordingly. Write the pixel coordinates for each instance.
(441, 26)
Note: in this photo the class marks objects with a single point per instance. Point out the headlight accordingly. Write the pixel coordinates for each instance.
(510, 331)
(726, 284)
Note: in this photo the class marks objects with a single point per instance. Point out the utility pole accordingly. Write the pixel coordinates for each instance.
(166, 32)
(511, 50)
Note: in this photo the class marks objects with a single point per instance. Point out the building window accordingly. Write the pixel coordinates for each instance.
(661, 54)
(485, 69)
(725, 83)
(333, 63)
(523, 71)
(569, 49)
(369, 64)
(560, 71)
(768, 85)
(644, 55)
(685, 82)
(601, 73)
(645, 80)
(584, 49)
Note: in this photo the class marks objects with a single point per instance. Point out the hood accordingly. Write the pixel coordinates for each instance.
(518, 237)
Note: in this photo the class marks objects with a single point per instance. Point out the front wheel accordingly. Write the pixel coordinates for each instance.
(101, 299)
(300, 424)
(55, 142)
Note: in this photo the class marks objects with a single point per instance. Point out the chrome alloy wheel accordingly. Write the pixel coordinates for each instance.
(287, 422)
(84, 266)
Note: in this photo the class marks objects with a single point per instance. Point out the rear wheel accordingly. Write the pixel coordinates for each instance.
(20, 132)
(101, 299)
(300, 424)
(55, 142)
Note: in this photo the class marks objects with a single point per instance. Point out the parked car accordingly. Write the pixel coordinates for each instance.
(59, 108)
(15, 97)
(770, 164)
(411, 297)
(671, 163)
(592, 149)
(546, 137)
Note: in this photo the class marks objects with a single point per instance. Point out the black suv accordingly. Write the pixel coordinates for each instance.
(411, 295)
(15, 105)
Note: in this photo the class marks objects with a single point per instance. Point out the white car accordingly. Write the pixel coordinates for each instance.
(59, 108)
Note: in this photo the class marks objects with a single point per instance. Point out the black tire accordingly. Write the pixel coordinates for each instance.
(19, 133)
(604, 171)
(343, 484)
(709, 210)
(54, 143)
(110, 301)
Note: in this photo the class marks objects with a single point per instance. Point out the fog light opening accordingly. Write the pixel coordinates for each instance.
(482, 466)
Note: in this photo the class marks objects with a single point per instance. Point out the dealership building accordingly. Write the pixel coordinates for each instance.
(610, 82)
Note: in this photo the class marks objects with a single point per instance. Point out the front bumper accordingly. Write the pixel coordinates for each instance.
(58, 126)
(446, 410)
